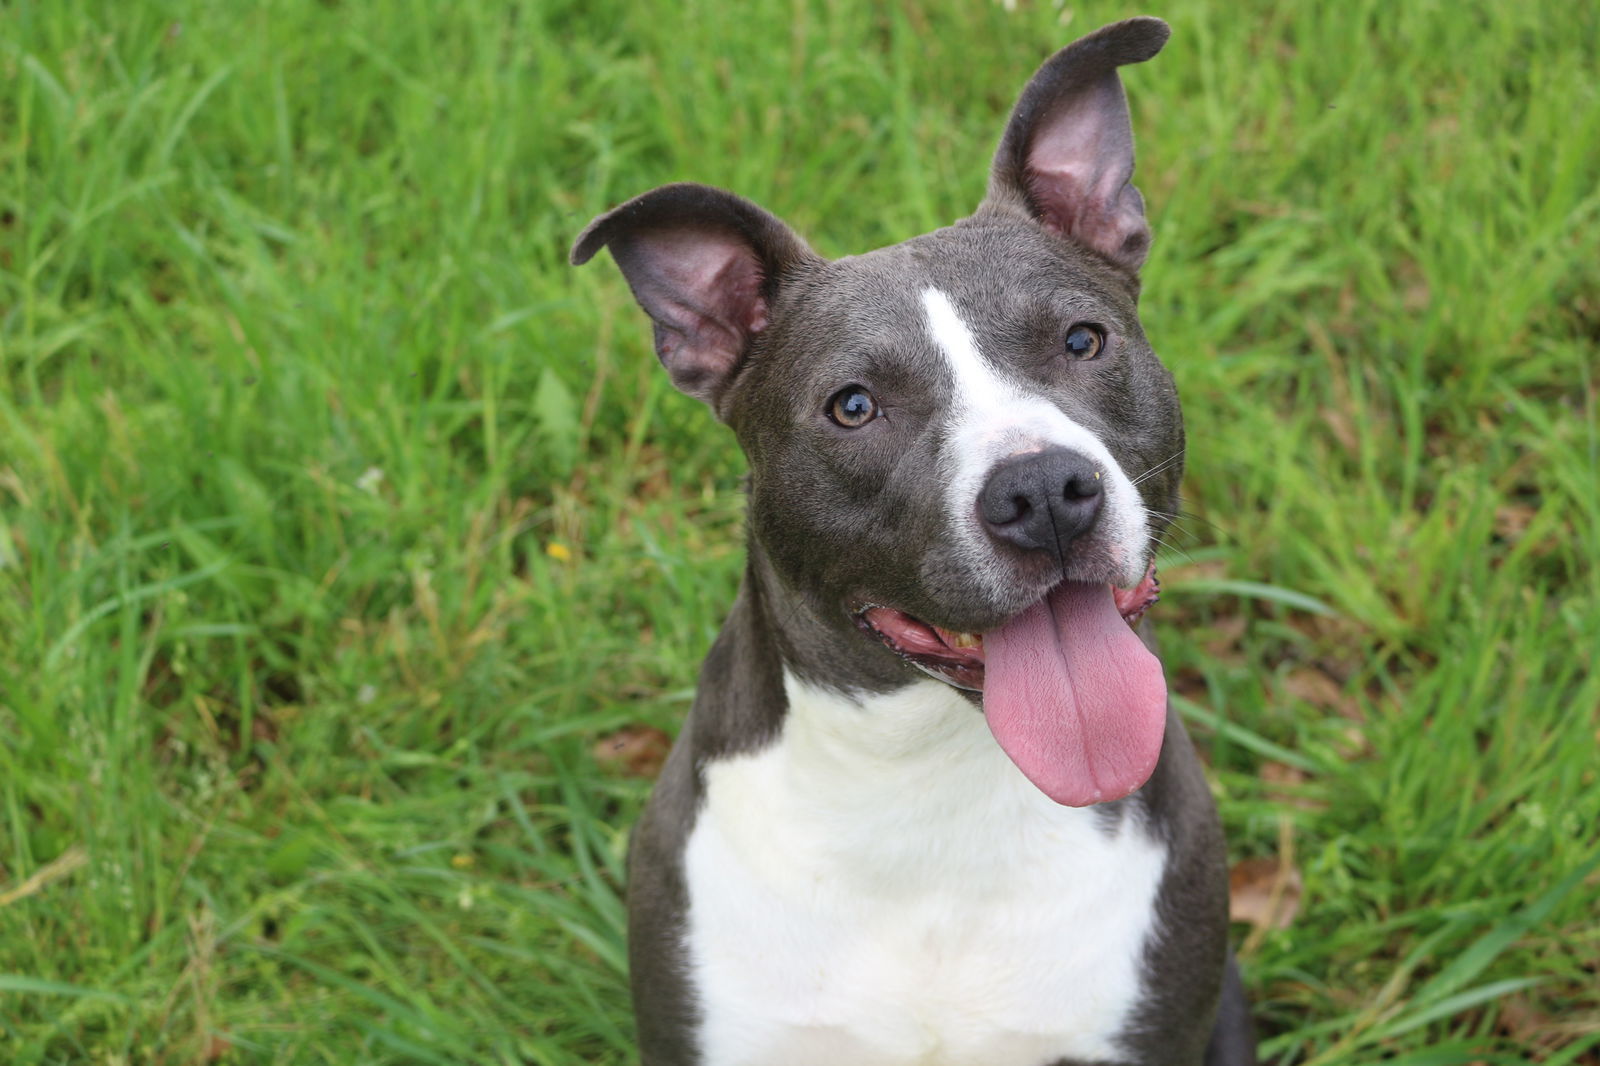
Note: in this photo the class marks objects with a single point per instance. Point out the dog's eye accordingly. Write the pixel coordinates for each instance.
(1084, 342)
(852, 407)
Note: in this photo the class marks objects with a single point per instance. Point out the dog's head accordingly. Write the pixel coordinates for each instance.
(963, 445)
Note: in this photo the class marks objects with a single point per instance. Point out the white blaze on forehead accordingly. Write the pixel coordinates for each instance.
(973, 376)
(993, 417)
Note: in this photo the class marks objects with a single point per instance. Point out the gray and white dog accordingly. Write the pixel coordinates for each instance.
(931, 805)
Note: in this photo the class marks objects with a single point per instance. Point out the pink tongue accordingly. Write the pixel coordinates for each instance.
(1074, 697)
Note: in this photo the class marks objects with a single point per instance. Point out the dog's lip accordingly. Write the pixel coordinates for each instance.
(952, 656)
(913, 637)
(956, 656)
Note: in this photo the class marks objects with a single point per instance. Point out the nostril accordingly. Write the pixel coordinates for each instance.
(1081, 487)
(1005, 509)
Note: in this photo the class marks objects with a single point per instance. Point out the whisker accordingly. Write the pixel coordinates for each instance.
(1173, 549)
(1177, 531)
(1184, 516)
(1162, 465)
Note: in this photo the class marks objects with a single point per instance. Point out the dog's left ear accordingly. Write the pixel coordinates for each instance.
(1067, 153)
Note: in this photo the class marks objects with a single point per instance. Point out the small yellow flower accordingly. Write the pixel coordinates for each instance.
(461, 861)
(557, 550)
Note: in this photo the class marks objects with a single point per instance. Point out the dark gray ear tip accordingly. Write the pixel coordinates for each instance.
(1095, 56)
(660, 205)
(590, 241)
(1135, 40)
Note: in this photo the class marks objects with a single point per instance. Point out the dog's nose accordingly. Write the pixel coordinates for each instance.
(1042, 501)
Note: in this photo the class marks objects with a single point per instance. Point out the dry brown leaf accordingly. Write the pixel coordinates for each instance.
(1278, 773)
(1283, 781)
(1311, 685)
(1331, 631)
(633, 750)
(1223, 639)
(1511, 521)
(1522, 1021)
(1263, 892)
(1343, 431)
(1416, 297)
(1353, 743)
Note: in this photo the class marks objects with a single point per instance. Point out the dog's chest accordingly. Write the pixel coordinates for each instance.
(882, 887)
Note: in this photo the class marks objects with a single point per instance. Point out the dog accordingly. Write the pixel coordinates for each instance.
(931, 804)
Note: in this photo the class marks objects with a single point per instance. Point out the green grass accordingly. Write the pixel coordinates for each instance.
(300, 405)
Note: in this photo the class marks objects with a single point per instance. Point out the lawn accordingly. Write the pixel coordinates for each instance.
(342, 524)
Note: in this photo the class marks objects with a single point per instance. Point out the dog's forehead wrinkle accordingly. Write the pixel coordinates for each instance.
(860, 303)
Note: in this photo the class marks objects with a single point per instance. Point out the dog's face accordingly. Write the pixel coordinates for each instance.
(914, 382)
(961, 446)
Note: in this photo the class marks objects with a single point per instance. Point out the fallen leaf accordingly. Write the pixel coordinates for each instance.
(1339, 424)
(1331, 631)
(1353, 743)
(1522, 1021)
(1222, 640)
(633, 750)
(1264, 893)
(1310, 685)
(1511, 520)
(1278, 773)
(1283, 786)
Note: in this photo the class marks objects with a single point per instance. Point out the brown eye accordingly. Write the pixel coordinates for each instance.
(852, 407)
(1084, 342)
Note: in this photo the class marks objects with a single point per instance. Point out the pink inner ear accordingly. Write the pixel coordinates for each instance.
(1078, 170)
(1069, 205)
(712, 276)
(703, 289)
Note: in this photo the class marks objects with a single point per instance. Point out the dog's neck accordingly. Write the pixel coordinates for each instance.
(814, 638)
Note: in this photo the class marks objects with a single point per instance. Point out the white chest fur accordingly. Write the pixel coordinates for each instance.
(882, 887)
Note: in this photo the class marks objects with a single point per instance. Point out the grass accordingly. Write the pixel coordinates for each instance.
(339, 518)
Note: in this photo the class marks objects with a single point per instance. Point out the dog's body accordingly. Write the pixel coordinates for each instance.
(850, 858)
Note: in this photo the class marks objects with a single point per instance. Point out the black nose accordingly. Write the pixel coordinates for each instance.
(1042, 501)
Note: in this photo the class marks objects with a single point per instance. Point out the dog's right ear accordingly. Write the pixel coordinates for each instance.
(704, 264)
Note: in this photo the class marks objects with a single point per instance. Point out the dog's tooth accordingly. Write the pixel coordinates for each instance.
(965, 640)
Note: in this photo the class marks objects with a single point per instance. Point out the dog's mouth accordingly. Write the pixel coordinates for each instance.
(956, 656)
(1071, 693)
